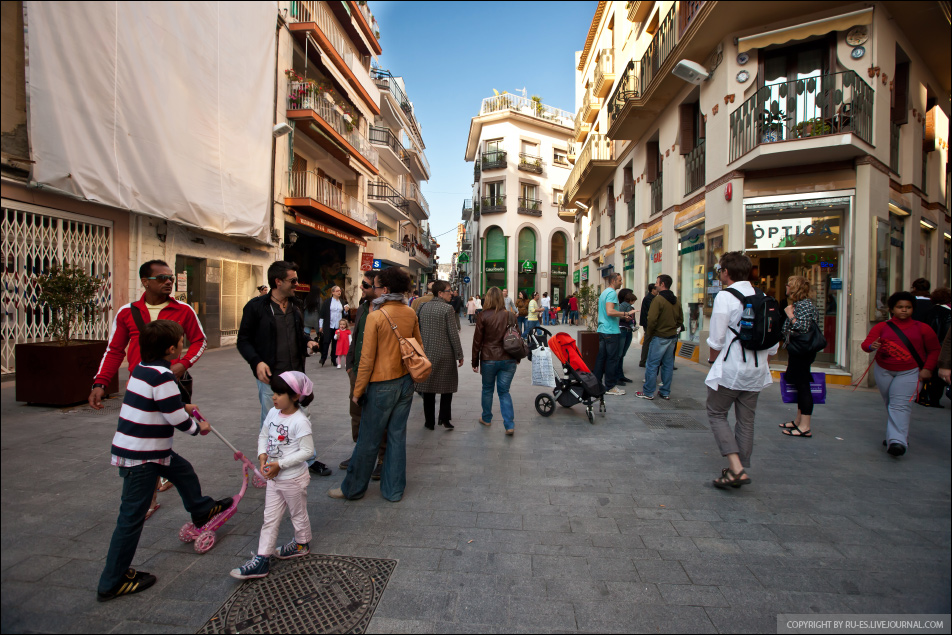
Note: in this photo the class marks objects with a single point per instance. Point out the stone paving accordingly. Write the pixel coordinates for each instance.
(564, 527)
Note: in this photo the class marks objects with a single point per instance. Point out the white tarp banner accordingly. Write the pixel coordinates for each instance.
(163, 108)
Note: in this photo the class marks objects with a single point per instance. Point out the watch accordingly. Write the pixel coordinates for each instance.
(98, 385)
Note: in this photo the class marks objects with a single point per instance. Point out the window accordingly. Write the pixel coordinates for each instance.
(557, 195)
(530, 148)
(598, 236)
(559, 157)
(496, 189)
(494, 145)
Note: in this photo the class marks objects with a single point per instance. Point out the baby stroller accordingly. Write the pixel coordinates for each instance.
(577, 385)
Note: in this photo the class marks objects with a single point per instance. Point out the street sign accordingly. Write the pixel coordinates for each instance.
(463, 257)
(377, 264)
(466, 280)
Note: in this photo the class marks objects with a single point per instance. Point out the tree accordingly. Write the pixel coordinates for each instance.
(68, 292)
(588, 305)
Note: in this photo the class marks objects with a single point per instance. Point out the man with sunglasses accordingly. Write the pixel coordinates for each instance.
(271, 338)
(156, 303)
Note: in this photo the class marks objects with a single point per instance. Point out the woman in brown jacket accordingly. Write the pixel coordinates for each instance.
(384, 390)
(498, 367)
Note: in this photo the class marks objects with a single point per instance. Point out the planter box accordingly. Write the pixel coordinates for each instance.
(50, 374)
(588, 347)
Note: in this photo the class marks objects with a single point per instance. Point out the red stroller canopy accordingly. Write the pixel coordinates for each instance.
(565, 349)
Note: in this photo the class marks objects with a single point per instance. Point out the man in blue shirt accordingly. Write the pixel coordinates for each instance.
(609, 336)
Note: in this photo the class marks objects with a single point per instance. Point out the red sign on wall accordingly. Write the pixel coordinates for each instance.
(366, 262)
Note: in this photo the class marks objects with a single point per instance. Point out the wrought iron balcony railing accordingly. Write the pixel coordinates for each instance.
(694, 168)
(598, 147)
(383, 191)
(530, 163)
(657, 191)
(659, 49)
(836, 103)
(476, 172)
(493, 204)
(628, 88)
(530, 206)
(493, 160)
(385, 137)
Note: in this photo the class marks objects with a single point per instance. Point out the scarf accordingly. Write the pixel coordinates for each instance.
(388, 297)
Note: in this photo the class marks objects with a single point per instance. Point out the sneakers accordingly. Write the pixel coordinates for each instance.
(200, 520)
(615, 391)
(292, 550)
(338, 367)
(643, 395)
(319, 469)
(343, 464)
(132, 582)
(896, 449)
(335, 493)
(257, 567)
(665, 397)
(378, 469)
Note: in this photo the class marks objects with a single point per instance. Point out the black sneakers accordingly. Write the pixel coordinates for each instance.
(132, 582)
(319, 469)
(200, 520)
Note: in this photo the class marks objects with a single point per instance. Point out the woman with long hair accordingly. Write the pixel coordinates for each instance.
(801, 314)
(626, 301)
(491, 360)
(522, 308)
(333, 310)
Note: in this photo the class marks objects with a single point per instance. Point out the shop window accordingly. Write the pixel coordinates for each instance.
(527, 261)
(692, 281)
(495, 262)
(654, 257)
(888, 267)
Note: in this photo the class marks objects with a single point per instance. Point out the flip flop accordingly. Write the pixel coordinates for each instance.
(797, 432)
(165, 485)
(152, 510)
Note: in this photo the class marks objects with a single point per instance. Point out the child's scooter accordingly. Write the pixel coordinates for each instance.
(204, 536)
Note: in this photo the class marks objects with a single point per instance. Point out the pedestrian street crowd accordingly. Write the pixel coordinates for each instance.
(394, 342)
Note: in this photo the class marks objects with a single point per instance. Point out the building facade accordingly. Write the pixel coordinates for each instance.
(519, 149)
(816, 144)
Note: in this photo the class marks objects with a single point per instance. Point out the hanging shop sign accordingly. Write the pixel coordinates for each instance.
(527, 266)
(585, 273)
(575, 276)
(330, 231)
(367, 261)
(559, 269)
(463, 257)
(495, 266)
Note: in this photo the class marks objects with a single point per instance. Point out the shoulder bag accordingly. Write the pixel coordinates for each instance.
(512, 341)
(185, 383)
(908, 344)
(414, 359)
(809, 343)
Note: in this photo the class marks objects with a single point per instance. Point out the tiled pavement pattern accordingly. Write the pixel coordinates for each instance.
(564, 527)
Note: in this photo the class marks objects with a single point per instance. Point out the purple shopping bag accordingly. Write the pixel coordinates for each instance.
(788, 392)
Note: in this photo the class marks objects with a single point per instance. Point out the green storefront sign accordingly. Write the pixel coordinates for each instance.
(527, 266)
(585, 273)
(463, 257)
(575, 276)
(495, 266)
(559, 270)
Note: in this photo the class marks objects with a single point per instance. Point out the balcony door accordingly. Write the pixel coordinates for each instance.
(791, 76)
(496, 193)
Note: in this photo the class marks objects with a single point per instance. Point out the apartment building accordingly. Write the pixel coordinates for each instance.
(817, 143)
(519, 149)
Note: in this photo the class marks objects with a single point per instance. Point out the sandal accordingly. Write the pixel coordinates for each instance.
(730, 479)
(789, 425)
(165, 485)
(797, 432)
(152, 510)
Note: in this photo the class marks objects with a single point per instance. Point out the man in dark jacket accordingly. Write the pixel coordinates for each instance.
(271, 337)
(643, 321)
(922, 312)
(665, 320)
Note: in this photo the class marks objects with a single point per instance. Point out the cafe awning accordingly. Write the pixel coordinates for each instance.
(805, 30)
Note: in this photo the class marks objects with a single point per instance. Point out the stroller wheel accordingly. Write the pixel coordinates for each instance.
(591, 417)
(544, 404)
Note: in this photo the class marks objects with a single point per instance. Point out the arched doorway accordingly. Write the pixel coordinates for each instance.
(559, 267)
(494, 266)
(526, 280)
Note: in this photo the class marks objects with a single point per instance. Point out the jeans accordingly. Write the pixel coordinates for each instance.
(523, 322)
(138, 484)
(661, 353)
(545, 317)
(626, 337)
(607, 364)
(565, 317)
(897, 387)
(264, 396)
(385, 409)
(498, 374)
(429, 408)
(531, 324)
(573, 317)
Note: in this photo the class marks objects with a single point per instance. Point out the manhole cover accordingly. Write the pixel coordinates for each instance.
(679, 404)
(312, 594)
(671, 421)
(110, 407)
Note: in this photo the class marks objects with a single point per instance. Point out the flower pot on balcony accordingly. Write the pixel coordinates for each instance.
(51, 374)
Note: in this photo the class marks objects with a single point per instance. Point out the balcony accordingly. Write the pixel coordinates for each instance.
(467, 210)
(595, 163)
(368, 24)
(529, 206)
(567, 215)
(530, 163)
(314, 18)
(419, 165)
(808, 113)
(493, 204)
(494, 160)
(604, 73)
(418, 205)
(399, 159)
(328, 125)
(388, 200)
(694, 168)
(582, 127)
(657, 195)
(309, 192)
(894, 137)
(627, 91)
(525, 106)
(389, 251)
(591, 104)
(387, 83)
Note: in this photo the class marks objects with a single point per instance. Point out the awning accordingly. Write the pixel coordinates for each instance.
(689, 216)
(607, 270)
(805, 30)
(651, 233)
(319, 227)
(609, 252)
(628, 245)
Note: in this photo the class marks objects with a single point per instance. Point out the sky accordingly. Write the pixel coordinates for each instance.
(453, 54)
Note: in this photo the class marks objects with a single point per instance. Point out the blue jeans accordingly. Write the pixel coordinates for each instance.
(545, 317)
(385, 409)
(609, 347)
(565, 317)
(660, 353)
(573, 316)
(626, 337)
(523, 322)
(138, 484)
(498, 374)
(264, 396)
(531, 324)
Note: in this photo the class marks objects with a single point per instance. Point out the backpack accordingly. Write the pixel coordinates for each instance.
(760, 331)
(512, 342)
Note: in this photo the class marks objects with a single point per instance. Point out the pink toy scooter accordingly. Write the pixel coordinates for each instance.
(204, 536)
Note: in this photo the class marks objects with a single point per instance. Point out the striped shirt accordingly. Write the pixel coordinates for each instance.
(151, 406)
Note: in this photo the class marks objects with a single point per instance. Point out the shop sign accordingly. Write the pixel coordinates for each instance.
(628, 261)
(787, 232)
(559, 270)
(527, 266)
(330, 231)
(656, 257)
(575, 276)
(463, 257)
(367, 261)
(181, 282)
(585, 273)
(691, 248)
(836, 284)
(495, 266)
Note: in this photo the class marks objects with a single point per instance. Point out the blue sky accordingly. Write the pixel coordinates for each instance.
(453, 54)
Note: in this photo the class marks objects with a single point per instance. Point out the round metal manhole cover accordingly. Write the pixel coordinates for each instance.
(313, 594)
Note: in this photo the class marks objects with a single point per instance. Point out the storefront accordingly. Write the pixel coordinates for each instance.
(494, 266)
(803, 237)
(526, 278)
(692, 283)
(653, 256)
(494, 274)
(322, 254)
(890, 241)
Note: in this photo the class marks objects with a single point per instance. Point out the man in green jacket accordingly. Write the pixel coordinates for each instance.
(665, 321)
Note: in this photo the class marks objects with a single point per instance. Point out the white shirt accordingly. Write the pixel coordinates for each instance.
(546, 303)
(730, 370)
(337, 311)
(479, 304)
(287, 439)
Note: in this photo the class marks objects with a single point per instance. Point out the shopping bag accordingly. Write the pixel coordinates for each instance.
(788, 392)
(542, 372)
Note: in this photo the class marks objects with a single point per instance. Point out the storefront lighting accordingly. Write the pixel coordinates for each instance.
(898, 210)
(947, 236)
(927, 224)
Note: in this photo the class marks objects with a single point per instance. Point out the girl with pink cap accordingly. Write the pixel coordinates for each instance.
(284, 446)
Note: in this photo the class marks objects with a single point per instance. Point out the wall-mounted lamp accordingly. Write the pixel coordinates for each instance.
(280, 130)
(927, 224)
(162, 231)
(345, 269)
(292, 238)
(581, 206)
(691, 72)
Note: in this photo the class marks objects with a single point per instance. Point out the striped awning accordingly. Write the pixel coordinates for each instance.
(628, 245)
(689, 215)
(651, 232)
(805, 30)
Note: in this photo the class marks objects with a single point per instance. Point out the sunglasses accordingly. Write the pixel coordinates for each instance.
(293, 280)
(366, 285)
(162, 278)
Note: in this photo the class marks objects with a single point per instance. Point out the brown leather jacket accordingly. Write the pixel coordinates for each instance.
(380, 357)
(490, 330)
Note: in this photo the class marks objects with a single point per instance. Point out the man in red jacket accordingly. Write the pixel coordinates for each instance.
(155, 304)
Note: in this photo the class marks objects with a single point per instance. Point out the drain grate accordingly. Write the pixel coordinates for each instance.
(109, 407)
(671, 421)
(311, 594)
(685, 403)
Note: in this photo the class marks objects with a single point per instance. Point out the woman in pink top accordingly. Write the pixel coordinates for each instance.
(906, 352)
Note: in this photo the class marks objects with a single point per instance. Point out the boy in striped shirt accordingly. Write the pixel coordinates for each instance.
(142, 450)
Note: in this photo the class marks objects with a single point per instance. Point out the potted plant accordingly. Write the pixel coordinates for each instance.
(588, 331)
(61, 371)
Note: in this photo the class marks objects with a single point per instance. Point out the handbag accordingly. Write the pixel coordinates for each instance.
(513, 343)
(185, 383)
(788, 392)
(808, 343)
(414, 359)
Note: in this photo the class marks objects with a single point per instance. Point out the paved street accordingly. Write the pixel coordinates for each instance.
(564, 527)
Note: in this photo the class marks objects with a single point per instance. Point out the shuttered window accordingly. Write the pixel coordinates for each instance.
(652, 163)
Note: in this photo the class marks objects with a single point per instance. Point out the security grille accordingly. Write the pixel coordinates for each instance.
(34, 239)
